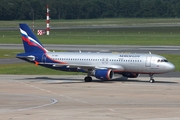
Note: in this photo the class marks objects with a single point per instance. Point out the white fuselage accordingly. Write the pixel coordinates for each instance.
(118, 62)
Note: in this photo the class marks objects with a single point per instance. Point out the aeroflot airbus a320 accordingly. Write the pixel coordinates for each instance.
(100, 65)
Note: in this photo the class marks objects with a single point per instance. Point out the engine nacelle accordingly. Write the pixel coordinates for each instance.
(130, 75)
(104, 74)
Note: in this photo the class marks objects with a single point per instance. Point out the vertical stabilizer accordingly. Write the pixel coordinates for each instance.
(30, 41)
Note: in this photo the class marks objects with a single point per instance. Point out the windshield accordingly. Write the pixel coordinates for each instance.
(162, 60)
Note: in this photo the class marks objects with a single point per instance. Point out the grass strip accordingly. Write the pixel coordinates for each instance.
(101, 36)
(6, 53)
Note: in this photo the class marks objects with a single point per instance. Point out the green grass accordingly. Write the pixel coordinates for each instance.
(9, 53)
(156, 32)
(113, 36)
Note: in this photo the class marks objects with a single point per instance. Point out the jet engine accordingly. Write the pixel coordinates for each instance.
(104, 74)
(130, 75)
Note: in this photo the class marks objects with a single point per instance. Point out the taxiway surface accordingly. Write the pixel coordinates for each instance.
(55, 97)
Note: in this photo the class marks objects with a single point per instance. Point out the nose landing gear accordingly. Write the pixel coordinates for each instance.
(151, 78)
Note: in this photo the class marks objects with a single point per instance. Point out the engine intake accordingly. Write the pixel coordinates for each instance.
(104, 74)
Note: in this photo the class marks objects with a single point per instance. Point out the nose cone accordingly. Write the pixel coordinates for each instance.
(170, 67)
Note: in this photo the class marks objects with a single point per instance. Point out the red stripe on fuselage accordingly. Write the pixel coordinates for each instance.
(55, 60)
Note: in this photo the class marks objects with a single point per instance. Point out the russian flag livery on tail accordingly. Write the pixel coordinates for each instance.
(30, 41)
(103, 66)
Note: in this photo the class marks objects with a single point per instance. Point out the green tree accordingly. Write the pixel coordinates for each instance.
(88, 9)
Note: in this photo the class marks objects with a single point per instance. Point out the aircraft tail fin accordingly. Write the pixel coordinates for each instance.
(30, 41)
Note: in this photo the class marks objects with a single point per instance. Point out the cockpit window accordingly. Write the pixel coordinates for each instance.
(165, 60)
(162, 60)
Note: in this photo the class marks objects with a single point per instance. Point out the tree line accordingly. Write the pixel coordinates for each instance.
(88, 9)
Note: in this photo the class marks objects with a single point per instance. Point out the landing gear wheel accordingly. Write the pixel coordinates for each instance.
(151, 78)
(151, 81)
(88, 79)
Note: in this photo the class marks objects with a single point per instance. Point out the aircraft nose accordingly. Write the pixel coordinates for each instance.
(170, 67)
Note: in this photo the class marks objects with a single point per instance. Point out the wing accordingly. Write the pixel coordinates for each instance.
(86, 66)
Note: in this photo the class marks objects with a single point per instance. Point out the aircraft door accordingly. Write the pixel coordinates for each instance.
(44, 58)
(148, 61)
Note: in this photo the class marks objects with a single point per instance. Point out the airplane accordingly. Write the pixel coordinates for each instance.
(103, 66)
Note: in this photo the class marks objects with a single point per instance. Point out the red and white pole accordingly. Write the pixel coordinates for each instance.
(47, 21)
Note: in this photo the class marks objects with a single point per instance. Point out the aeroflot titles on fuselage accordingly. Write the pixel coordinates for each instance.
(129, 55)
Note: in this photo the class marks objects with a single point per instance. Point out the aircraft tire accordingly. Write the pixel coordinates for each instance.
(88, 79)
(151, 81)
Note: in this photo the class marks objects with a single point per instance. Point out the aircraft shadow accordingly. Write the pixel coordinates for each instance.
(76, 80)
(64, 80)
(124, 79)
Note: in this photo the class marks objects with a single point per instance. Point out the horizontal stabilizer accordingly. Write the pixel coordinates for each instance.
(26, 56)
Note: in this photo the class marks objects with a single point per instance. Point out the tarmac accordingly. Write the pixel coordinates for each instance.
(61, 97)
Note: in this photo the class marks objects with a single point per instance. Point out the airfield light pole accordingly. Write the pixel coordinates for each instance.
(47, 21)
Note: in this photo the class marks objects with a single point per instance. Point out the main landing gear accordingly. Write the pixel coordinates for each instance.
(88, 78)
(151, 78)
